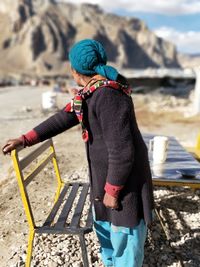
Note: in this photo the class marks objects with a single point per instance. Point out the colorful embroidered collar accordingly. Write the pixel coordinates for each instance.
(76, 102)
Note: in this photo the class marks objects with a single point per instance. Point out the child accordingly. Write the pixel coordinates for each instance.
(120, 177)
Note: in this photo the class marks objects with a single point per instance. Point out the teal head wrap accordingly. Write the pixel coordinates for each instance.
(88, 57)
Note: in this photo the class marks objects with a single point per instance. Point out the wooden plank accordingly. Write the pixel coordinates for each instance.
(79, 208)
(175, 183)
(56, 207)
(67, 207)
(34, 154)
(89, 218)
(19, 148)
(65, 230)
(39, 168)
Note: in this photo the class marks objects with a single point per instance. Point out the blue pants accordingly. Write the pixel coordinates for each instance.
(121, 246)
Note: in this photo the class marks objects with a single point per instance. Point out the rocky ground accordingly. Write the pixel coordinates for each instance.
(179, 208)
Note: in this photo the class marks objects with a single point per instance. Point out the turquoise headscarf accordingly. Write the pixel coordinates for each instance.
(89, 57)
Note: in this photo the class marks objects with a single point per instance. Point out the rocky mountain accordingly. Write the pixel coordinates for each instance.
(36, 36)
(189, 61)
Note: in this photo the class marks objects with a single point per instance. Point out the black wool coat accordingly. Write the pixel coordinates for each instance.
(116, 154)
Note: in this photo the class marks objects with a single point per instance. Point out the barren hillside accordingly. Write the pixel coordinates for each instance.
(36, 37)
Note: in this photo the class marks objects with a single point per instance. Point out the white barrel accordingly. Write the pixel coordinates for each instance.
(49, 100)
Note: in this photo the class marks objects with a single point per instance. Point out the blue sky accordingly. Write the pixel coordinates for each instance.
(175, 20)
(181, 23)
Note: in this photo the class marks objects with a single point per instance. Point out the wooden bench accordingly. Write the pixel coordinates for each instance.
(58, 220)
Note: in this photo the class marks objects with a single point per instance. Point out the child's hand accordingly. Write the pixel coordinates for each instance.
(12, 144)
(110, 201)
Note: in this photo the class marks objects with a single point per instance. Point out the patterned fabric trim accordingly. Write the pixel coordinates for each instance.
(76, 102)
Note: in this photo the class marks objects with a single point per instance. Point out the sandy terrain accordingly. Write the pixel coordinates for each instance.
(20, 110)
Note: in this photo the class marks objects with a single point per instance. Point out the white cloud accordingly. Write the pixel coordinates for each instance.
(173, 7)
(187, 42)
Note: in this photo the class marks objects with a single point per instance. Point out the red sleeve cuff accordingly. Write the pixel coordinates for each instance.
(68, 107)
(30, 138)
(113, 190)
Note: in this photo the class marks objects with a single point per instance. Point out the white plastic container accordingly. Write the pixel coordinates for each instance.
(158, 145)
(49, 100)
